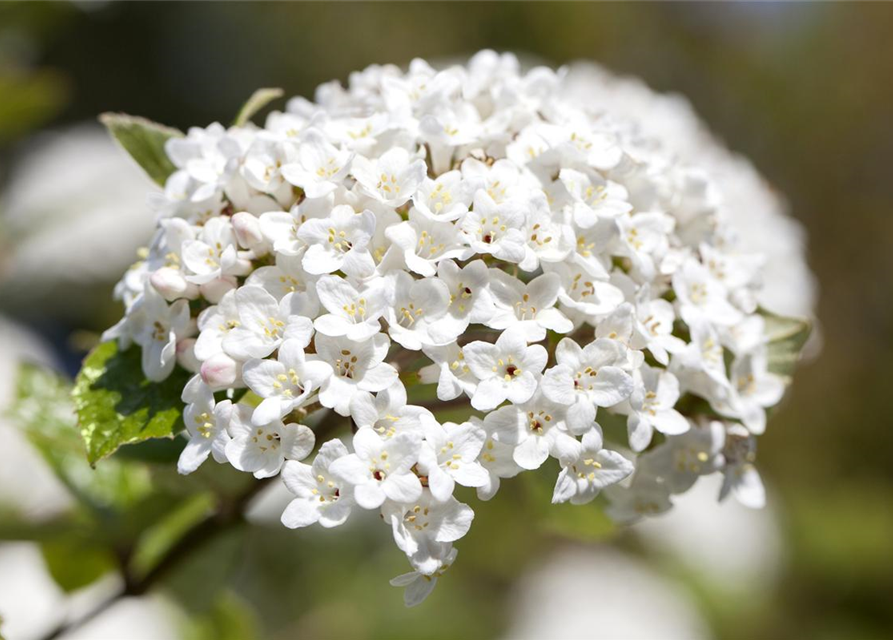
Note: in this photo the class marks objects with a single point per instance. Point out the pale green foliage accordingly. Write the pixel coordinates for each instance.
(786, 338)
(258, 100)
(144, 140)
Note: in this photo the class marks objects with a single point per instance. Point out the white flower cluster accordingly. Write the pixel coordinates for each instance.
(547, 261)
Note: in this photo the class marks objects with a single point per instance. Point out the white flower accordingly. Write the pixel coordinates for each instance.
(594, 468)
(753, 389)
(450, 371)
(496, 229)
(265, 322)
(680, 460)
(586, 378)
(549, 238)
(351, 313)
(159, 327)
(700, 366)
(392, 178)
(448, 456)
(206, 424)
(381, 469)
(530, 307)
(446, 198)
(653, 327)
(643, 238)
(470, 297)
(419, 586)
(594, 197)
(700, 295)
(500, 182)
(264, 161)
(426, 242)
(507, 370)
(320, 167)
(214, 253)
(535, 429)
(339, 242)
(284, 383)
(356, 366)
(280, 228)
(651, 406)
(424, 528)
(262, 449)
(387, 412)
(584, 293)
(413, 320)
(287, 276)
(319, 496)
(498, 461)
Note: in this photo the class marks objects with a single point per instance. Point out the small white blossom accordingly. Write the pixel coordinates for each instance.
(530, 307)
(264, 323)
(535, 429)
(356, 366)
(419, 586)
(339, 242)
(651, 404)
(424, 528)
(159, 326)
(351, 314)
(381, 469)
(448, 456)
(319, 496)
(391, 179)
(508, 369)
(206, 423)
(284, 383)
(594, 468)
(586, 378)
(320, 166)
(262, 449)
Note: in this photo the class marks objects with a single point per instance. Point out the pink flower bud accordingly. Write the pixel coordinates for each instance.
(247, 229)
(220, 372)
(214, 290)
(171, 284)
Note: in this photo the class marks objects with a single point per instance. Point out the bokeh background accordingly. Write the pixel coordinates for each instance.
(804, 90)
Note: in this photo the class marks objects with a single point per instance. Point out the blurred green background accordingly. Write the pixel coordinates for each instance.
(803, 90)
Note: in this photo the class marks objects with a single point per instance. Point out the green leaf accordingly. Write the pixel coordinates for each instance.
(144, 140)
(74, 562)
(116, 405)
(258, 100)
(786, 337)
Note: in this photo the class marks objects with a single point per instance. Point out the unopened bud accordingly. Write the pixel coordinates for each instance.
(220, 372)
(247, 229)
(171, 284)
